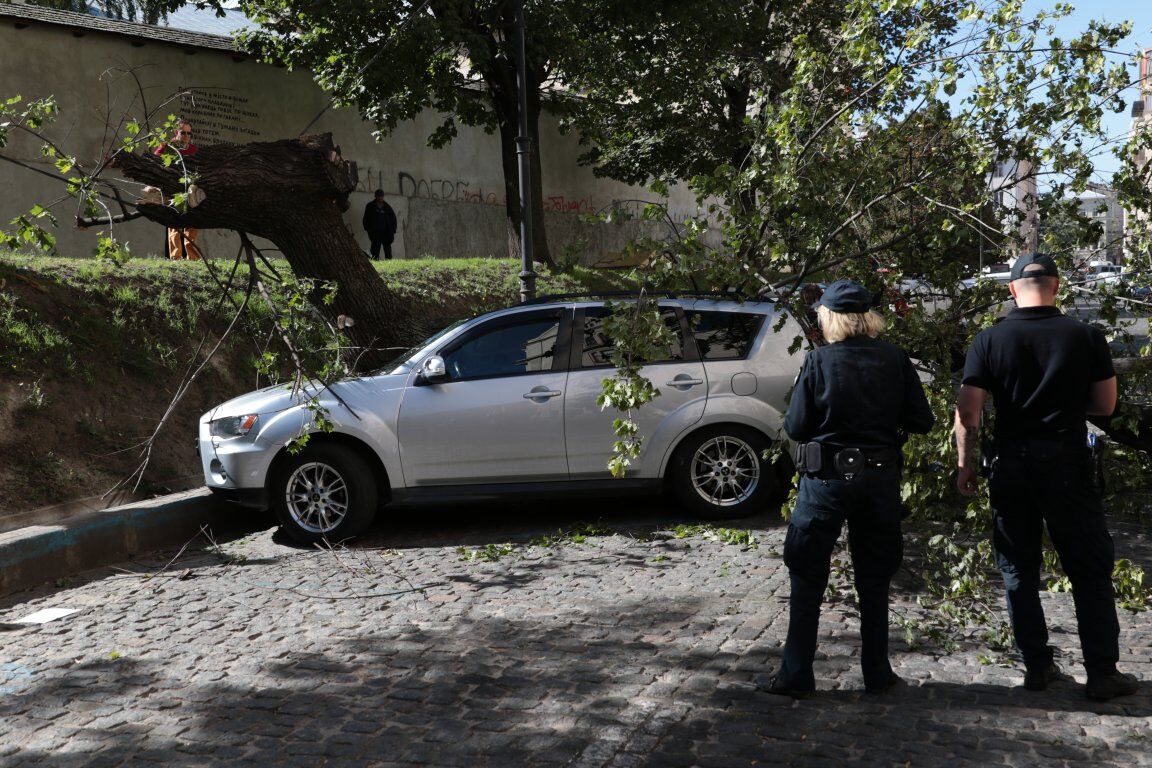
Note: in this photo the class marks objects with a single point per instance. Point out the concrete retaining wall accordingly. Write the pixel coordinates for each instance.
(449, 202)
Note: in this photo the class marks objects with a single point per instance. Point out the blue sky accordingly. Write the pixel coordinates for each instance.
(1137, 11)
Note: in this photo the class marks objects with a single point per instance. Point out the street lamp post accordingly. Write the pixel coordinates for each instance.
(524, 163)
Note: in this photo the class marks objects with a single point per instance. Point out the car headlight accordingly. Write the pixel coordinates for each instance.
(232, 426)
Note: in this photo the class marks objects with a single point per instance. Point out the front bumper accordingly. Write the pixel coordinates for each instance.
(234, 464)
(253, 498)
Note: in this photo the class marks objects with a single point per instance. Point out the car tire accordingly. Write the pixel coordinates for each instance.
(326, 493)
(720, 472)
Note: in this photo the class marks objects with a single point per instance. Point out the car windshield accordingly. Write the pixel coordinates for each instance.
(405, 360)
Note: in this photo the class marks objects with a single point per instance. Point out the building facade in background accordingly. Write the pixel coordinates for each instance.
(1134, 222)
(448, 202)
(1100, 205)
(1013, 188)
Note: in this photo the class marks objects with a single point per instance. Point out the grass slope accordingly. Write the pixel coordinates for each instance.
(91, 354)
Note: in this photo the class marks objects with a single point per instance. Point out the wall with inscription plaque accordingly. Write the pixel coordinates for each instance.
(449, 202)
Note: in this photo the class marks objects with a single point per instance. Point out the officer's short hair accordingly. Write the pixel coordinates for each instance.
(838, 326)
(378, 193)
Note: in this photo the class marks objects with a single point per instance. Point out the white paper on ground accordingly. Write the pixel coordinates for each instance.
(46, 615)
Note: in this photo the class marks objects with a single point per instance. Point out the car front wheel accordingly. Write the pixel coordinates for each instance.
(719, 472)
(325, 493)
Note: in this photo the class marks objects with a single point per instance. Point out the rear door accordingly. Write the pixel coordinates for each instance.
(499, 417)
(678, 374)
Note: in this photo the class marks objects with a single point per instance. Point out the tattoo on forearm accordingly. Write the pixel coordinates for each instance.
(967, 438)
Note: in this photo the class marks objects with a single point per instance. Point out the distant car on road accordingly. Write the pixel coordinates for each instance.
(996, 274)
(505, 405)
(1104, 274)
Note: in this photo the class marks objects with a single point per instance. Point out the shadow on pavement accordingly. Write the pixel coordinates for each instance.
(588, 688)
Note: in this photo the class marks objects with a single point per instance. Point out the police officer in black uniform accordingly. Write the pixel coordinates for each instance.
(852, 402)
(1046, 373)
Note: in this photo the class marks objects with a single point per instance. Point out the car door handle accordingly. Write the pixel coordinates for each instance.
(541, 394)
(683, 380)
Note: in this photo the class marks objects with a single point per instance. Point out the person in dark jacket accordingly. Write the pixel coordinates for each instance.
(1046, 373)
(380, 224)
(853, 403)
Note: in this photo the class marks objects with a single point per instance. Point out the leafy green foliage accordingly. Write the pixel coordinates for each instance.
(891, 142)
(489, 553)
(394, 60)
(23, 335)
(112, 251)
(1132, 594)
(84, 184)
(144, 11)
(638, 334)
(960, 595)
(576, 534)
(734, 536)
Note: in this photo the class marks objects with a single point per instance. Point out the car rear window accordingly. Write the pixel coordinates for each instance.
(724, 335)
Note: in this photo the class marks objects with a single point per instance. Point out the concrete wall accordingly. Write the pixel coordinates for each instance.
(449, 202)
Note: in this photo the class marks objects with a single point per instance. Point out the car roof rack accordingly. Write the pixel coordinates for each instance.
(730, 295)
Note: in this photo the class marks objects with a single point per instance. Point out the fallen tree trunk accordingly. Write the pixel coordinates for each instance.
(294, 193)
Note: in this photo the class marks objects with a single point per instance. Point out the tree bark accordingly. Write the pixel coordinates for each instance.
(292, 192)
(499, 74)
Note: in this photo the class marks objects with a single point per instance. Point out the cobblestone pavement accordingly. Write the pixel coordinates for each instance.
(410, 648)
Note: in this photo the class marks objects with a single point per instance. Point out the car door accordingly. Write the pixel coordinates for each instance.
(499, 416)
(679, 375)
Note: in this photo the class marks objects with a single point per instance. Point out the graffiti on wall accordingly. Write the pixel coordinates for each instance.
(454, 190)
(561, 204)
(462, 191)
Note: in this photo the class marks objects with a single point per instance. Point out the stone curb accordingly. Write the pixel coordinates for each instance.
(39, 553)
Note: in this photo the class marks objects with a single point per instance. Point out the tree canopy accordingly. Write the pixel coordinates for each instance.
(395, 59)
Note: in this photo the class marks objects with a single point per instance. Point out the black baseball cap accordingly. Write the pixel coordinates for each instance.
(1042, 266)
(846, 296)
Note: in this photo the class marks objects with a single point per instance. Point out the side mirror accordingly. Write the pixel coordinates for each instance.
(432, 371)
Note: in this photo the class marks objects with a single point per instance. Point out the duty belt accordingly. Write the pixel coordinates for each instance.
(824, 461)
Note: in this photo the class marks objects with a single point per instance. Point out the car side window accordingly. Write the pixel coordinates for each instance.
(508, 349)
(596, 351)
(724, 335)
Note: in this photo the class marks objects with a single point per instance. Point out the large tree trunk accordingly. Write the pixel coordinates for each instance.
(540, 251)
(293, 193)
(499, 74)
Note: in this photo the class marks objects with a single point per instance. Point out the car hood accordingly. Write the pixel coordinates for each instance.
(282, 397)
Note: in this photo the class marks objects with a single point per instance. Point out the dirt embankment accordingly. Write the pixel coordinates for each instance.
(89, 368)
(92, 355)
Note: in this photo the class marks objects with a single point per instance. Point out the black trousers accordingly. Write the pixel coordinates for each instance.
(378, 244)
(870, 504)
(1038, 483)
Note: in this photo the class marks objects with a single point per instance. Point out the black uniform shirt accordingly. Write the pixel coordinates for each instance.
(1039, 366)
(857, 393)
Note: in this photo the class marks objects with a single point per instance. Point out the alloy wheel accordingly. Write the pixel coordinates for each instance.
(317, 497)
(725, 471)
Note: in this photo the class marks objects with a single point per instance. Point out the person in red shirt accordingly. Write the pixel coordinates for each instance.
(181, 242)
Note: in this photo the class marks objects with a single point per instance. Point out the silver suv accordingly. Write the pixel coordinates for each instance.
(505, 405)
